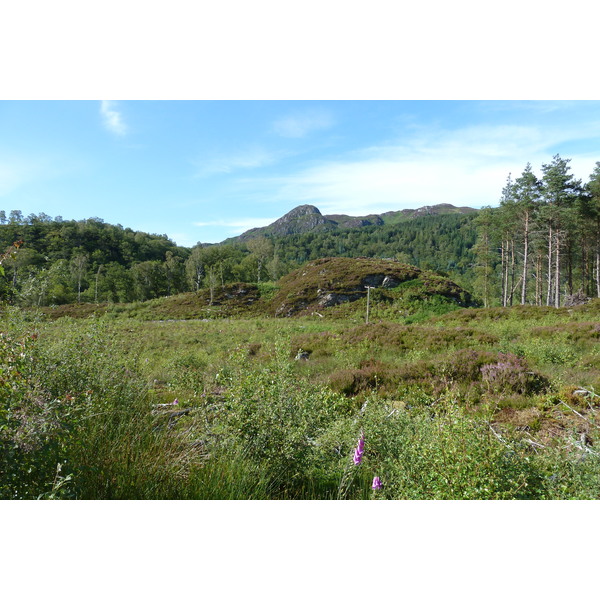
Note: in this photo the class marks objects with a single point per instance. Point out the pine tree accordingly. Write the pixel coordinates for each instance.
(593, 206)
(559, 189)
(527, 195)
(485, 254)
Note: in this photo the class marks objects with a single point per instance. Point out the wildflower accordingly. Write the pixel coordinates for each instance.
(175, 401)
(376, 484)
(359, 450)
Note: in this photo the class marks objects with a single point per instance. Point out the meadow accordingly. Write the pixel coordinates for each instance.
(427, 403)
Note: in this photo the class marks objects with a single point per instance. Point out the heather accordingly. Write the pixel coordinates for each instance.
(470, 404)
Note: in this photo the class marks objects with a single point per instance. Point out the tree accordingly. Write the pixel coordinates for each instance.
(506, 225)
(485, 254)
(174, 269)
(148, 279)
(593, 218)
(79, 264)
(527, 192)
(559, 190)
(262, 248)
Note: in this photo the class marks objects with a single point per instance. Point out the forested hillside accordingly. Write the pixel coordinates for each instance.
(60, 261)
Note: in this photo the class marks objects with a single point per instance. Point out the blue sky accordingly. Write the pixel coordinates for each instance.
(202, 171)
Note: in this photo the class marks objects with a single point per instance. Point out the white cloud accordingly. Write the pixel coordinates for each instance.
(249, 158)
(112, 118)
(300, 125)
(239, 225)
(466, 167)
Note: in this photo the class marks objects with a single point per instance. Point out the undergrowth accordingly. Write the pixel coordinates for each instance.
(476, 404)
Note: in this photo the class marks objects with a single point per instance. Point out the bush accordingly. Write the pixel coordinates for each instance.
(512, 375)
(273, 419)
(441, 452)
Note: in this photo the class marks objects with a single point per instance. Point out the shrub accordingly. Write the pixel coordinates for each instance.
(511, 374)
(442, 452)
(274, 420)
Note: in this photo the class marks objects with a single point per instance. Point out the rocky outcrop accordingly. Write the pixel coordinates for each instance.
(328, 282)
(301, 219)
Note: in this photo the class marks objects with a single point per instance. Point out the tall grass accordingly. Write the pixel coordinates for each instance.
(110, 409)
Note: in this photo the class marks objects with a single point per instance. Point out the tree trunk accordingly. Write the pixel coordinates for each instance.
(538, 279)
(598, 271)
(512, 272)
(557, 273)
(549, 293)
(525, 258)
(504, 273)
(570, 265)
(585, 284)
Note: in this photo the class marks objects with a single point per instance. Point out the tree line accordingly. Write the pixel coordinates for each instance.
(541, 245)
(62, 261)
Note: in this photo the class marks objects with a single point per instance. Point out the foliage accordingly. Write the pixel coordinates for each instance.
(476, 404)
(65, 262)
(542, 244)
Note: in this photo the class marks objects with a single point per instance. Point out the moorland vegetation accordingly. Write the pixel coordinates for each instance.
(228, 401)
(331, 365)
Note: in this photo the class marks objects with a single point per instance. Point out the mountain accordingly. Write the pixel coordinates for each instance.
(299, 220)
(408, 214)
(308, 218)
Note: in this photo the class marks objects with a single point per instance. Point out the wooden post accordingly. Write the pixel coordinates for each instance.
(369, 288)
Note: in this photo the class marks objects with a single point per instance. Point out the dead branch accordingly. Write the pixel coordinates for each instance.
(580, 415)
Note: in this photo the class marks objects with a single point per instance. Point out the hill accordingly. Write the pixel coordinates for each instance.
(308, 218)
(62, 262)
(328, 282)
(333, 286)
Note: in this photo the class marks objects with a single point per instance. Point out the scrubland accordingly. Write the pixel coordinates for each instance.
(471, 403)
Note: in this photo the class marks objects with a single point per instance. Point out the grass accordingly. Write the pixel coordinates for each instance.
(475, 403)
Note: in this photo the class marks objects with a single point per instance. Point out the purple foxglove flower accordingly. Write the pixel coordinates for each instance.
(359, 450)
(376, 483)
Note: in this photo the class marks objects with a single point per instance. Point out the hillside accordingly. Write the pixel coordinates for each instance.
(324, 286)
(329, 282)
(62, 262)
(308, 218)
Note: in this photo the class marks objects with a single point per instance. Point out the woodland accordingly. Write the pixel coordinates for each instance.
(449, 356)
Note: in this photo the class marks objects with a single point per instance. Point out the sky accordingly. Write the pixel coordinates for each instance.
(206, 170)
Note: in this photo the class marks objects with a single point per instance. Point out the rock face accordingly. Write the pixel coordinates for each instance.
(301, 219)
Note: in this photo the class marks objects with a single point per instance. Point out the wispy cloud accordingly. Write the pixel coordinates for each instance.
(112, 118)
(302, 124)
(239, 225)
(223, 163)
(465, 167)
